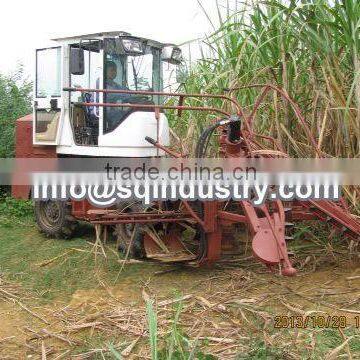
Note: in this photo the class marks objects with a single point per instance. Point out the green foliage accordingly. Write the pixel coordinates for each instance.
(152, 322)
(176, 345)
(311, 49)
(13, 209)
(4, 191)
(21, 247)
(15, 101)
(259, 351)
(115, 353)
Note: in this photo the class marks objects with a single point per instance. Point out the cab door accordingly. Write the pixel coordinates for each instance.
(47, 96)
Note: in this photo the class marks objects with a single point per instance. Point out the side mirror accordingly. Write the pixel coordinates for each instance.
(77, 62)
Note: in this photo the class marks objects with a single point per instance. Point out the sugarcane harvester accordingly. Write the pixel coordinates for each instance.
(102, 95)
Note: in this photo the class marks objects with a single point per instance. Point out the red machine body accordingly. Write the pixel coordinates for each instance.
(25, 149)
(212, 222)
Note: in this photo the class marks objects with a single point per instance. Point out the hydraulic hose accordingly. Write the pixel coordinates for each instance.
(234, 124)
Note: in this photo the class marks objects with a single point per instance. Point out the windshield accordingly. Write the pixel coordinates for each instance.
(129, 72)
(139, 72)
(125, 72)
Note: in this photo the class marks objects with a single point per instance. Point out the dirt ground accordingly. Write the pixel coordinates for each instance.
(56, 305)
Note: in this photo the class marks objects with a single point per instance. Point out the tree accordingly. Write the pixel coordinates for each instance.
(15, 101)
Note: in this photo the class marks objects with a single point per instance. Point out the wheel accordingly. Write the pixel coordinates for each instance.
(124, 233)
(166, 242)
(54, 218)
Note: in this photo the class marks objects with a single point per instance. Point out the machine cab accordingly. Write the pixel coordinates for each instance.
(82, 88)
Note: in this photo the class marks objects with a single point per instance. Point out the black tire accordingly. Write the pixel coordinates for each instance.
(136, 250)
(124, 232)
(54, 219)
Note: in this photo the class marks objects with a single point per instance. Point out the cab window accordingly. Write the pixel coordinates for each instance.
(48, 72)
(47, 94)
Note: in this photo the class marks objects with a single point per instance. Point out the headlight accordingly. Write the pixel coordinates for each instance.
(171, 54)
(133, 46)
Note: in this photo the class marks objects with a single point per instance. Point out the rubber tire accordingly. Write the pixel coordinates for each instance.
(123, 236)
(137, 248)
(65, 225)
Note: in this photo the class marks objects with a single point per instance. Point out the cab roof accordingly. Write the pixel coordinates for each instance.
(94, 35)
(102, 35)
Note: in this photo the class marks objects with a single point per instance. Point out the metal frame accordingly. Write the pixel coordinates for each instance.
(266, 224)
(155, 107)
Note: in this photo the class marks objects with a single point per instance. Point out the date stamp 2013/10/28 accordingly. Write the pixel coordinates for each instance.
(314, 321)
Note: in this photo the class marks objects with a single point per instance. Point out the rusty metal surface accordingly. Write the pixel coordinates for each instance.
(181, 96)
(155, 107)
(24, 148)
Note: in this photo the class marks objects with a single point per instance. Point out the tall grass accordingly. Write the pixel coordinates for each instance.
(176, 345)
(153, 330)
(309, 48)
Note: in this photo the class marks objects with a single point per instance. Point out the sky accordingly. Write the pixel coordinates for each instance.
(27, 25)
